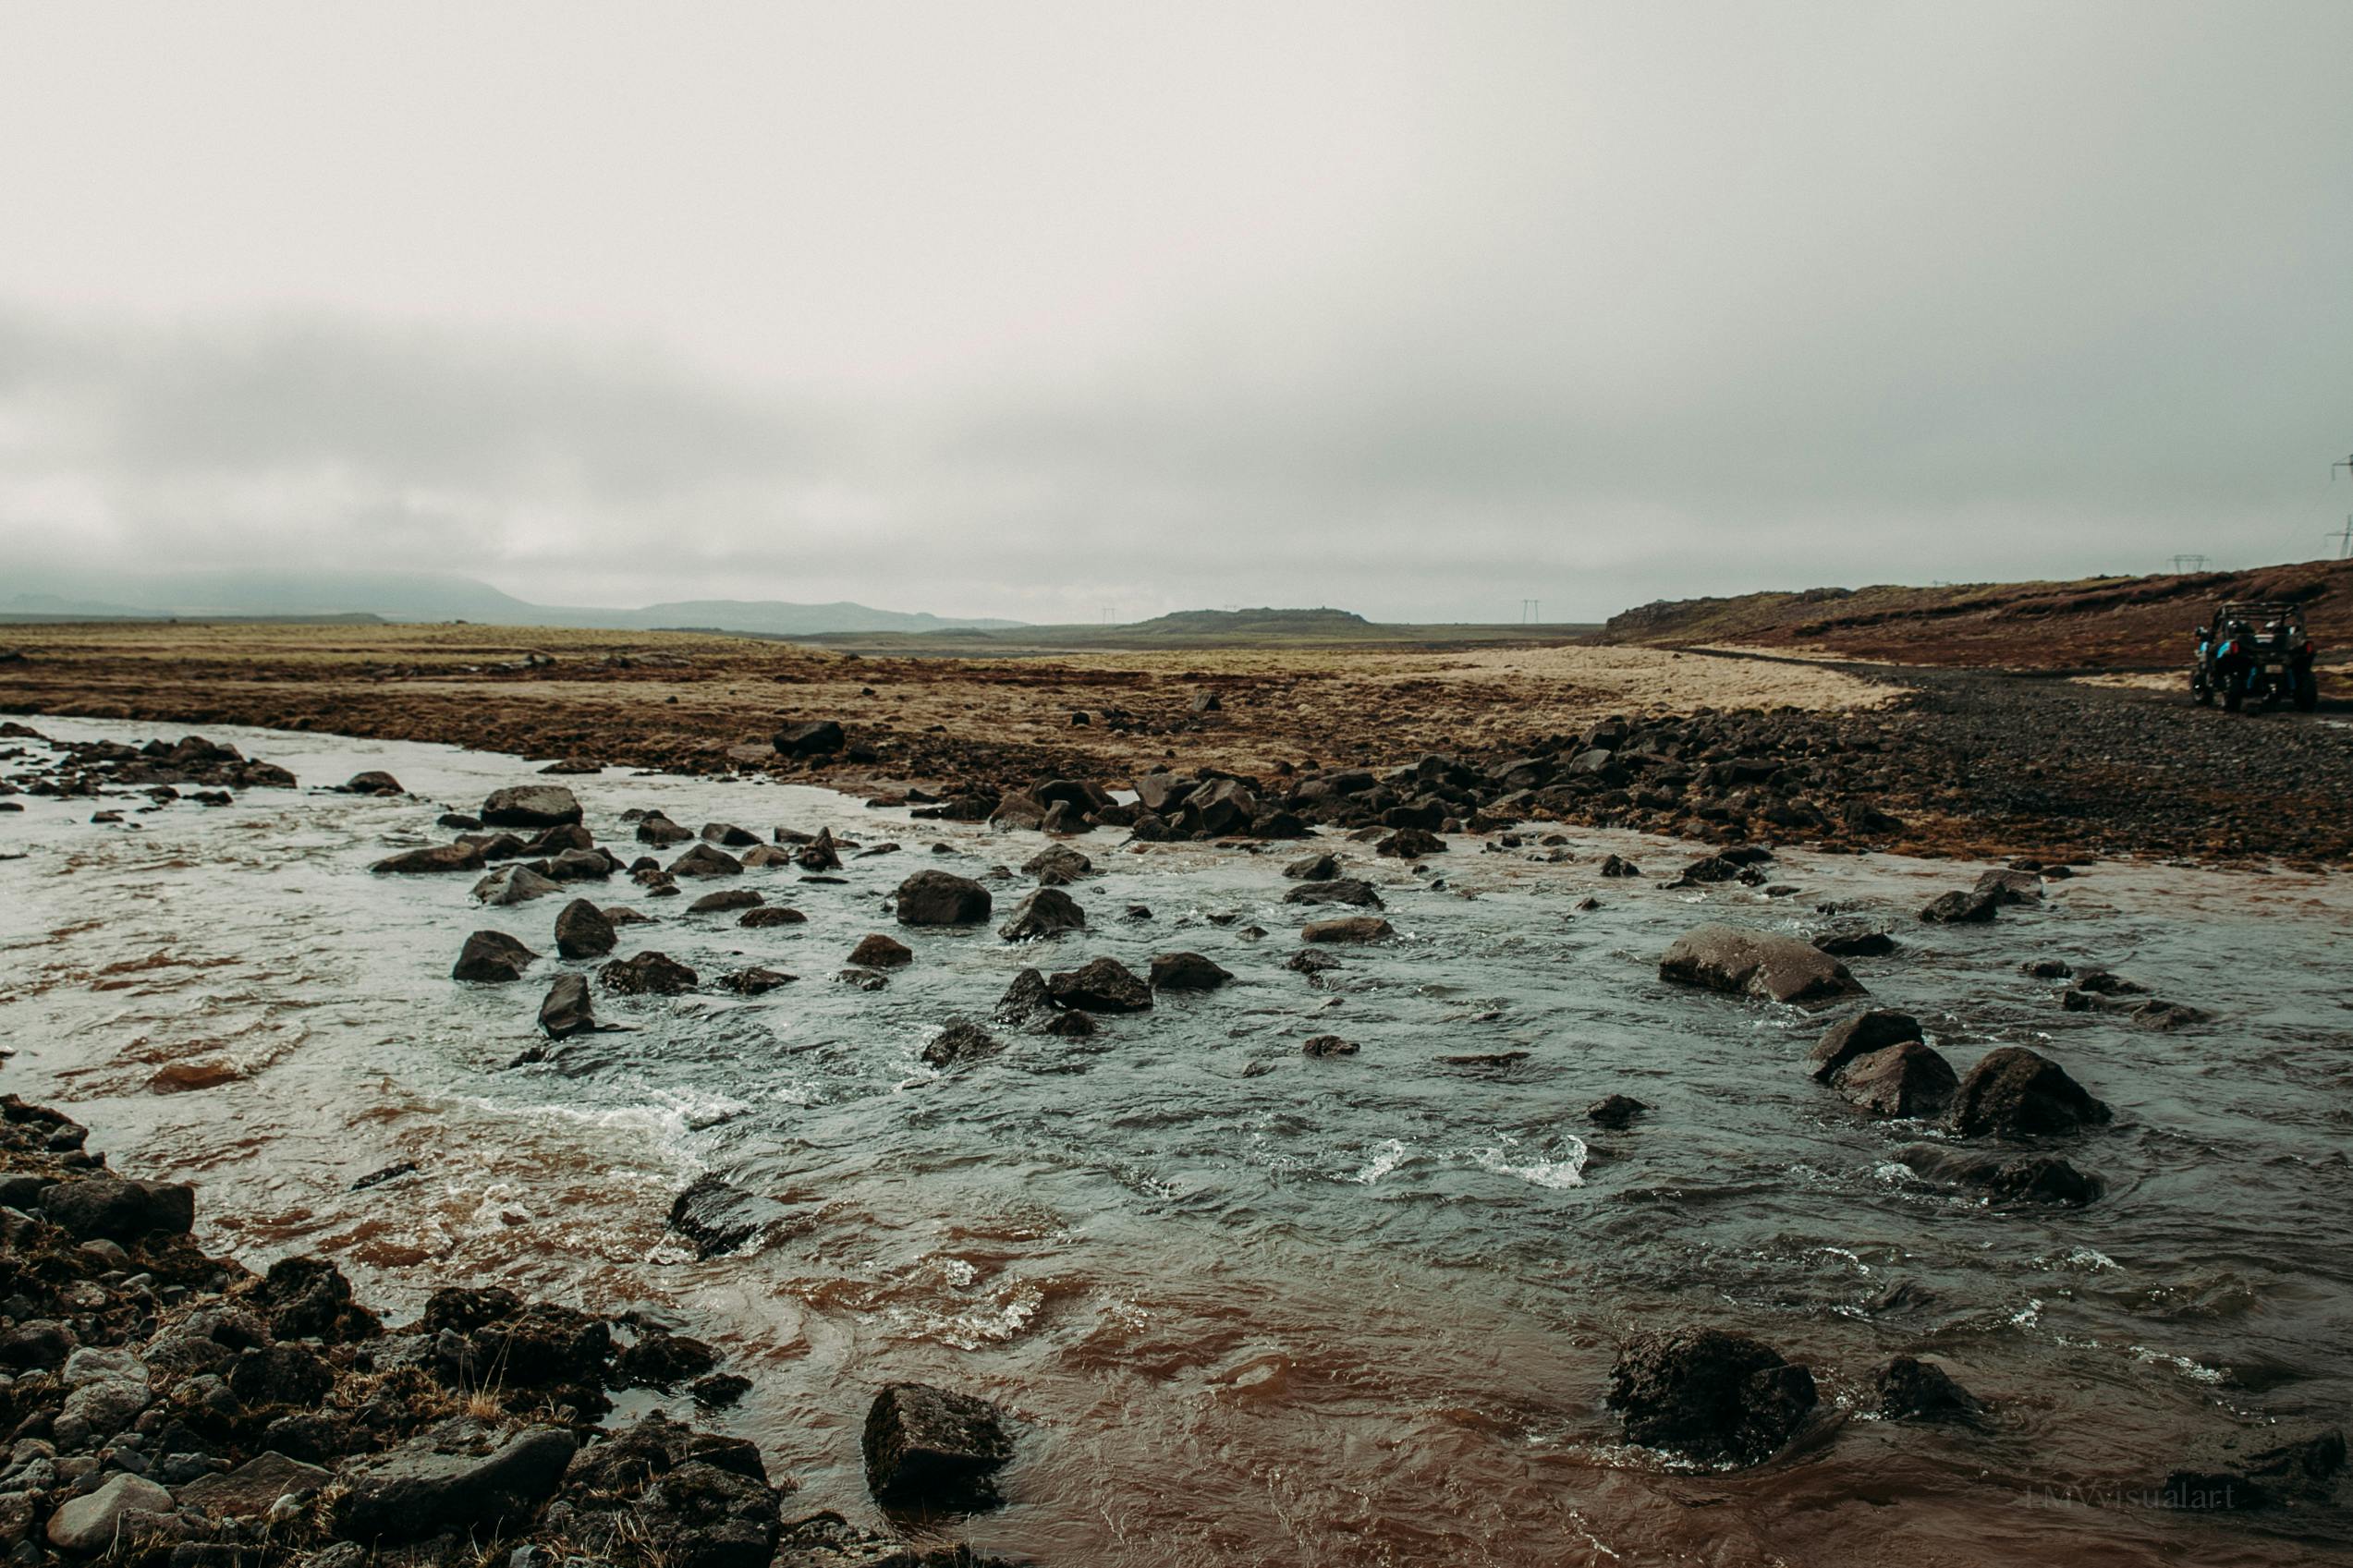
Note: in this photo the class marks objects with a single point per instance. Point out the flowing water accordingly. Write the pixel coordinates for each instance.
(1251, 1306)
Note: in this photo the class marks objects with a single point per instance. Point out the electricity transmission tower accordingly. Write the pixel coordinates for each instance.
(2189, 563)
(1529, 610)
(2344, 538)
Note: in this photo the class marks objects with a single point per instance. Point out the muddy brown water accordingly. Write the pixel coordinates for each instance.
(1355, 1310)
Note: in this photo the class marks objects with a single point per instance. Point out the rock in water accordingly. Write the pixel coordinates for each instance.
(2040, 1178)
(1313, 868)
(1106, 985)
(2010, 887)
(1860, 1036)
(1905, 1080)
(565, 1010)
(1340, 890)
(2013, 1093)
(1047, 912)
(1327, 1046)
(1057, 864)
(961, 1041)
(1912, 1390)
(647, 974)
(725, 901)
(493, 958)
(1716, 1396)
(879, 952)
(2258, 1467)
(461, 1475)
(941, 898)
(1961, 909)
(1616, 1111)
(772, 914)
(437, 857)
(1187, 971)
(531, 806)
(373, 782)
(1755, 963)
(821, 739)
(582, 931)
(706, 860)
(515, 884)
(1354, 928)
(933, 1447)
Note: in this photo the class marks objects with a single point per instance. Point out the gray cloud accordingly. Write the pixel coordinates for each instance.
(1415, 314)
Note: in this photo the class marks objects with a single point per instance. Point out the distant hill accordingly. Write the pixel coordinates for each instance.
(2090, 623)
(434, 596)
(1191, 626)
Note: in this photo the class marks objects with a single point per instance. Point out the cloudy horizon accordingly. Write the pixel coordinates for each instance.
(1049, 311)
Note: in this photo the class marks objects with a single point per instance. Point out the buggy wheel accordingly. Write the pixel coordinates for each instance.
(2307, 693)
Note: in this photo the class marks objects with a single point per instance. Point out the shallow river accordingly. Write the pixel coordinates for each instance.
(1356, 1310)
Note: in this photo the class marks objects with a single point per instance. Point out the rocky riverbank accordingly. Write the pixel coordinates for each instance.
(166, 1407)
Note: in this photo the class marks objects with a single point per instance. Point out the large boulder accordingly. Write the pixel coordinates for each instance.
(531, 806)
(1057, 864)
(565, 1010)
(1047, 912)
(2038, 1178)
(249, 1490)
(942, 898)
(492, 958)
(308, 1298)
(1313, 868)
(462, 1474)
(706, 860)
(1352, 929)
(820, 737)
(110, 1209)
(582, 931)
(1860, 1036)
(2015, 1093)
(933, 1447)
(124, 1507)
(1913, 1390)
(1905, 1079)
(1716, 1396)
(1743, 961)
(1972, 908)
(434, 858)
(1104, 985)
(659, 830)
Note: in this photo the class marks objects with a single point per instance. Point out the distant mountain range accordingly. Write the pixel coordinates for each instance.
(432, 595)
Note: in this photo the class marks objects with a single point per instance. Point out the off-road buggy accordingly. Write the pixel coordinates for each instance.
(2255, 653)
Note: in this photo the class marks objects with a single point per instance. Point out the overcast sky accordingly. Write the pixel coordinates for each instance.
(1038, 311)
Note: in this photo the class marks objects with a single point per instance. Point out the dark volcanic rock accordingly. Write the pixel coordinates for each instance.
(1410, 844)
(2010, 887)
(647, 974)
(308, 1298)
(1047, 912)
(772, 914)
(1905, 1080)
(531, 806)
(565, 1010)
(933, 1447)
(115, 1209)
(1860, 1036)
(1755, 963)
(492, 958)
(1187, 971)
(1106, 985)
(961, 1041)
(1856, 943)
(715, 1217)
(515, 884)
(755, 981)
(2013, 1093)
(373, 782)
(1057, 864)
(462, 1474)
(436, 858)
(1617, 866)
(821, 737)
(1327, 1045)
(1912, 1390)
(725, 901)
(1025, 1000)
(1343, 890)
(661, 832)
(582, 931)
(2258, 1467)
(940, 898)
(1313, 868)
(1713, 1396)
(706, 861)
(1616, 1111)
(2040, 1178)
